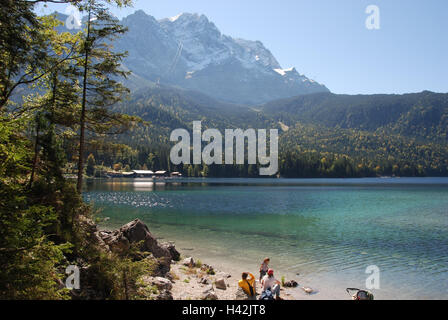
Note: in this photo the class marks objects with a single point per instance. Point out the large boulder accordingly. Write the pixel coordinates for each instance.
(136, 231)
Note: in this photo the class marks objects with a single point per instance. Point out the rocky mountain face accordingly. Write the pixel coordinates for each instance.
(189, 52)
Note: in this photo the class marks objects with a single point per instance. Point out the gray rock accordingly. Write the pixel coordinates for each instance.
(210, 296)
(291, 284)
(136, 231)
(159, 282)
(220, 284)
(165, 295)
(308, 290)
(116, 241)
(175, 255)
(100, 242)
(208, 268)
(189, 262)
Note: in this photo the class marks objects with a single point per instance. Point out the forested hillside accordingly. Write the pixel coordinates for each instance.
(421, 115)
(321, 135)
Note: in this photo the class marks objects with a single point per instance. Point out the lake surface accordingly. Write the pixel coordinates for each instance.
(323, 233)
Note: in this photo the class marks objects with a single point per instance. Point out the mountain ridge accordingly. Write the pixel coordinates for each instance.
(190, 52)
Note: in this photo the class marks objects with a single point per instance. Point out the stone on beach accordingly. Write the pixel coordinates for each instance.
(209, 294)
(208, 268)
(165, 295)
(220, 284)
(159, 282)
(188, 262)
(308, 290)
(291, 284)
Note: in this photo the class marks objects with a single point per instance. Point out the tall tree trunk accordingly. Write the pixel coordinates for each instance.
(83, 110)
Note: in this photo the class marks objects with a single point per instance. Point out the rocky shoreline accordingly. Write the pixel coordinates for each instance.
(173, 277)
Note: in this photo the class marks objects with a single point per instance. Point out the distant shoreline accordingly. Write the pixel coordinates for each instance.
(262, 178)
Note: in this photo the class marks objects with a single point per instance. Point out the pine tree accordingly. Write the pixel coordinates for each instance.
(99, 67)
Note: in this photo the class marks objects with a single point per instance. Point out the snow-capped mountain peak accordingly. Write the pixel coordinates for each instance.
(188, 50)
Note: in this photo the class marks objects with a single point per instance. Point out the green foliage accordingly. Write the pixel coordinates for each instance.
(21, 48)
(29, 259)
(118, 278)
(13, 149)
(317, 151)
(100, 69)
(419, 115)
(198, 263)
(42, 217)
(358, 136)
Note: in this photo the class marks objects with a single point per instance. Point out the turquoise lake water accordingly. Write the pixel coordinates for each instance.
(323, 233)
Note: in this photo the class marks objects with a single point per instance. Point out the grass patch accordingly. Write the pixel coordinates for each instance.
(198, 263)
(191, 271)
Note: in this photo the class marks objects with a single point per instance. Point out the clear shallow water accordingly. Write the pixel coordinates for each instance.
(327, 230)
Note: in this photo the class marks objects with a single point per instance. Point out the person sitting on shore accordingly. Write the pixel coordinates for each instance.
(247, 283)
(270, 283)
(264, 268)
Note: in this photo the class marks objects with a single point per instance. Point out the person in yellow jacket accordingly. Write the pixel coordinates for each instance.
(247, 283)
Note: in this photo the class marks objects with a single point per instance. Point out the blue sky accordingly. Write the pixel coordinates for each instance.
(327, 40)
